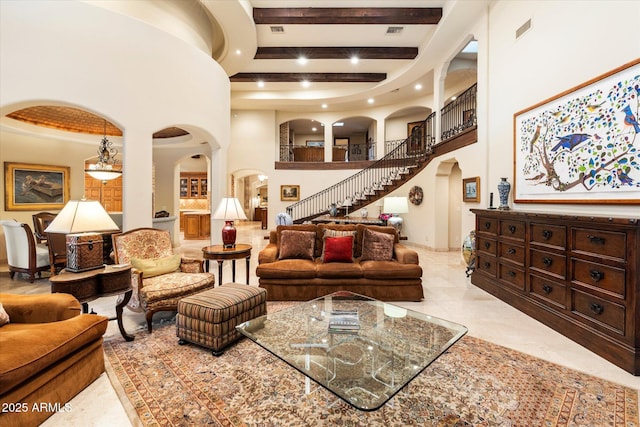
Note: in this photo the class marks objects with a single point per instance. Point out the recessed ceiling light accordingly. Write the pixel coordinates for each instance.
(305, 83)
(313, 129)
(325, 106)
(302, 60)
(238, 52)
(354, 60)
(418, 86)
(453, 98)
(260, 83)
(371, 100)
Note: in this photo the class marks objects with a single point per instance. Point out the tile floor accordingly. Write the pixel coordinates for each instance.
(448, 294)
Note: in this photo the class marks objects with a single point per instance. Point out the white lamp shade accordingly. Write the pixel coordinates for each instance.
(395, 205)
(82, 216)
(229, 209)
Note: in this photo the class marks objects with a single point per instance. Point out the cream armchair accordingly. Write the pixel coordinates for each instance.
(23, 254)
(160, 278)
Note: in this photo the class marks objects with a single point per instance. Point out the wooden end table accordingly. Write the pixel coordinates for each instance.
(93, 284)
(220, 253)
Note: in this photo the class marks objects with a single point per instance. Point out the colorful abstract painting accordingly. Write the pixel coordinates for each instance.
(582, 146)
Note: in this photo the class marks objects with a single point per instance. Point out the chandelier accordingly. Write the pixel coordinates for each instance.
(103, 169)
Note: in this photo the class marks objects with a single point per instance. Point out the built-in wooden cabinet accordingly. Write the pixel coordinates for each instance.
(193, 185)
(196, 225)
(109, 193)
(578, 275)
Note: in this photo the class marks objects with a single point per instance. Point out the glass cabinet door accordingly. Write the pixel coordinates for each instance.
(184, 189)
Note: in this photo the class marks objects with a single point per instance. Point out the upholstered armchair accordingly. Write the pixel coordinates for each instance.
(23, 254)
(160, 278)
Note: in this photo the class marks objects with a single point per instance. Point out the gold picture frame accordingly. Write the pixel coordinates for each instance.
(289, 193)
(471, 189)
(33, 187)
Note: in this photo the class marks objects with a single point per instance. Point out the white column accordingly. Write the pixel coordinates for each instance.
(137, 187)
(220, 186)
(328, 142)
(439, 75)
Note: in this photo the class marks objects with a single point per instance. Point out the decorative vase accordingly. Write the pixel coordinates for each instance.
(469, 252)
(229, 234)
(333, 210)
(504, 187)
(364, 212)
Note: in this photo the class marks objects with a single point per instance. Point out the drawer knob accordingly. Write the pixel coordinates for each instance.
(596, 308)
(547, 289)
(595, 239)
(546, 234)
(512, 229)
(511, 251)
(486, 264)
(511, 273)
(487, 245)
(547, 261)
(596, 275)
(487, 225)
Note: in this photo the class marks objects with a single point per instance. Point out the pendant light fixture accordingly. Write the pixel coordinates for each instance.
(103, 169)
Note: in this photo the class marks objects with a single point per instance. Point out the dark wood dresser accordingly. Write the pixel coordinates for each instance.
(576, 274)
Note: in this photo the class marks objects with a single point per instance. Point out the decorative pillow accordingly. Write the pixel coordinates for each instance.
(338, 249)
(328, 232)
(377, 246)
(157, 266)
(4, 317)
(297, 244)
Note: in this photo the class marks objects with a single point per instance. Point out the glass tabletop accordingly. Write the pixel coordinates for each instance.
(361, 349)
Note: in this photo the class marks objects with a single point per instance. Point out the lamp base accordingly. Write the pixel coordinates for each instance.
(228, 235)
(395, 222)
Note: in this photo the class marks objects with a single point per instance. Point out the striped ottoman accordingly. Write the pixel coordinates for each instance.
(209, 318)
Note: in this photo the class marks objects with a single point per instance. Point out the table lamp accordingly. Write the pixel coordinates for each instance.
(82, 221)
(395, 206)
(346, 204)
(229, 210)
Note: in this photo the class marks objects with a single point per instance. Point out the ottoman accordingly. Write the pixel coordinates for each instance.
(209, 318)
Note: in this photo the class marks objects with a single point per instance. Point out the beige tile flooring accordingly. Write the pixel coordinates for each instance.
(448, 294)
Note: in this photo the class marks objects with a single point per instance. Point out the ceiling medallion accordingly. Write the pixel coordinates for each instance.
(416, 195)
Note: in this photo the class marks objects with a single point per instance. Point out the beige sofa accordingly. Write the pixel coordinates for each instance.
(294, 279)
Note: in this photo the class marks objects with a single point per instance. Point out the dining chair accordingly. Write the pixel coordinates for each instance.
(41, 221)
(23, 254)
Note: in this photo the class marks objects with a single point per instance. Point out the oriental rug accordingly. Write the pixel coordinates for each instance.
(476, 383)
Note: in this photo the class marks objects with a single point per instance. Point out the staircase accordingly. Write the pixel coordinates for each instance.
(399, 165)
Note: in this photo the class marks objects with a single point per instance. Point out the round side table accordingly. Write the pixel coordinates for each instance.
(220, 253)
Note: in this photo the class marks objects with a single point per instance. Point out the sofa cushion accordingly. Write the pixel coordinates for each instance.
(4, 317)
(295, 227)
(338, 249)
(333, 230)
(297, 244)
(157, 266)
(339, 270)
(287, 269)
(29, 348)
(377, 246)
(176, 285)
(360, 228)
(390, 270)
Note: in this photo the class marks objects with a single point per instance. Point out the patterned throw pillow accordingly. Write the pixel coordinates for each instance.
(157, 266)
(377, 246)
(4, 316)
(338, 249)
(297, 244)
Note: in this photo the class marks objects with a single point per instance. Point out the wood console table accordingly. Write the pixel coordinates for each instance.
(93, 284)
(576, 274)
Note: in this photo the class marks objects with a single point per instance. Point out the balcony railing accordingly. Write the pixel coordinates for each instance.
(459, 115)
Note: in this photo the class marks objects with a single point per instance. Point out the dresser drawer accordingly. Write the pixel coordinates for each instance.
(602, 277)
(512, 229)
(486, 264)
(487, 245)
(549, 291)
(549, 235)
(487, 225)
(549, 263)
(598, 310)
(511, 252)
(512, 275)
(600, 243)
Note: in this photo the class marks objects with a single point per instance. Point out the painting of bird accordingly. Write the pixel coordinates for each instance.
(534, 139)
(570, 141)
(593, 107)
(623, 177)
(630, 119)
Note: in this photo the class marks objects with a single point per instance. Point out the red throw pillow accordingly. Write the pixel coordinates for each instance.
(338, 249)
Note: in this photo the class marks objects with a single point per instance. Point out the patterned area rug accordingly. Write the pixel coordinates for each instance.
(475, 383)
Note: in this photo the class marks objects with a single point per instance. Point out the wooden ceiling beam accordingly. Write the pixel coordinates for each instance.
(336, 52)
(348, 15)
(310, 77)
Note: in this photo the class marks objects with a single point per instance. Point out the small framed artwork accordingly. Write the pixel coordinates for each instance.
(289, 193)
(311, 143)
(471, 189)
(30, 187)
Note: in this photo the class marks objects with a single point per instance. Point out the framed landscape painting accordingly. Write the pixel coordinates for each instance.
(289, 193)
(30, 187)
(583, 145)
(471, 189)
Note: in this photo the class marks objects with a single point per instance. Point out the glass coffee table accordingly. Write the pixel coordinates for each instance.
(362, 350)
